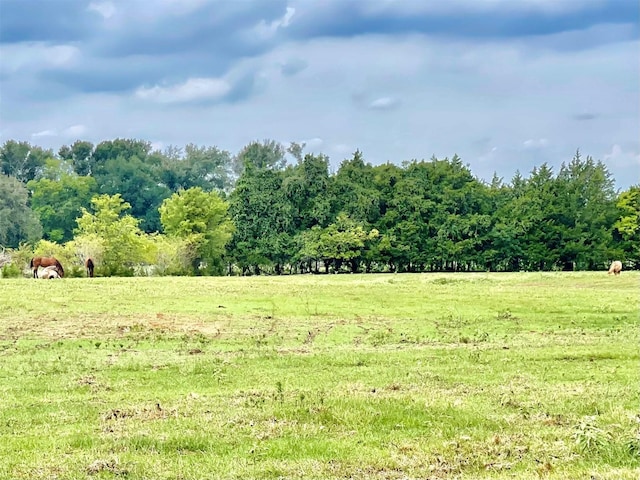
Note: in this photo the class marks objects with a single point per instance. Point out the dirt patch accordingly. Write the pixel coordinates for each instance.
(112, 466)
(54, 327)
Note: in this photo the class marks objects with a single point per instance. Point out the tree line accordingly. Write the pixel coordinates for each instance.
(276, 209)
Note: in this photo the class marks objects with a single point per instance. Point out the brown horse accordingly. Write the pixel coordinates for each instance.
(45, 262)
(89, 266)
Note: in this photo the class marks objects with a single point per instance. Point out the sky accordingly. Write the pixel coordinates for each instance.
(507, 85)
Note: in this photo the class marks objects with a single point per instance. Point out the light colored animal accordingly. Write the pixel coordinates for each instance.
(49, 272)
(615, 268)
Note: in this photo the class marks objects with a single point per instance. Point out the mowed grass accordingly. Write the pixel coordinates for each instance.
(467, 376)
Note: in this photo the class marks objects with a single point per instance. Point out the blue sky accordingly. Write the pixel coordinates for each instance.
(505, 84)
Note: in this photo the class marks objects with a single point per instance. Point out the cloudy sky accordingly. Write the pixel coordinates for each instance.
(505, 84)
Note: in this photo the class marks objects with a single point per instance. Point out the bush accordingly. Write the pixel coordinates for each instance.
(10, 271)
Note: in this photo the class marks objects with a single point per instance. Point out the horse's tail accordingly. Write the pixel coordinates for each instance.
(59, 266)
(31, 263)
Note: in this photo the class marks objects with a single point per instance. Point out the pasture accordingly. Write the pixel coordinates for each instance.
(425, 376)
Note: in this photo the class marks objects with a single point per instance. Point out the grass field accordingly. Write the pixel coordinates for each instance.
(430, 376)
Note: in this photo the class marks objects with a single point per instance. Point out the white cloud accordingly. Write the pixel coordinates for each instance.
(535, 143)
(384, 103)
(75, 131)
(45, 133)
(313, 145)
(266, 30)
(619, 156)
(36, 56)
(106, 9)
(194, 89)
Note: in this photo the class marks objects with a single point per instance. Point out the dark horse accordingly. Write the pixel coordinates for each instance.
(89, 266)
(45, 262)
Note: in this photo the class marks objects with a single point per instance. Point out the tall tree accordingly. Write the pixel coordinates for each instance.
(58, 198)
(586, 211)
(22, 160)
(197, 166)
(138, 183)
(306, 186)
(627, 225)
(265, 155)
(79, 155)
(353, 190)
(260, 210)
(18, 223)
(112, 149)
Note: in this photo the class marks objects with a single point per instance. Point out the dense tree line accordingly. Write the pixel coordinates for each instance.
(275, 209)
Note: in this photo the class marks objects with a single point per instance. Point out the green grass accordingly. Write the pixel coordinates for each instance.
(527, 375)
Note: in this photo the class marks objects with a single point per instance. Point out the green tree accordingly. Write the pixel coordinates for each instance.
(206, 167)
(627, 225)
(306, 186)
(353, 190)
(112, 149)
(585, 214)
(201, 218)
(260, 211)
(266, 155)
(22, 160)
(79, 155)
(124, 244)
(58, 199)
(343, 242)
(18, 223)
(138, 182)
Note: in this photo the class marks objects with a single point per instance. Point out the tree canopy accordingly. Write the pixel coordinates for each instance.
(277, 209)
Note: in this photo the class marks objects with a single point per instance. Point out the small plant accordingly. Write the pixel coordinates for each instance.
(279, 392)
(588, 436)
(506, 315)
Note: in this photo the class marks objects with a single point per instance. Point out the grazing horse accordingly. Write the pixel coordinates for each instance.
(615, 268)
(45, 262)
(89, 266)
(50, 272)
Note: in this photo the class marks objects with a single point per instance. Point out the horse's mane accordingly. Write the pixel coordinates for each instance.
(59, 265)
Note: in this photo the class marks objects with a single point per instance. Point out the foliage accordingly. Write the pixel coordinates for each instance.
(628, 223)
(10, 270)
(22, 161)
(18, 223)
(261, 211)
(431, 215)
(174, 255)
(199, 218)
(343, 242)
(58, 199)
(124, 244)
(79, 155)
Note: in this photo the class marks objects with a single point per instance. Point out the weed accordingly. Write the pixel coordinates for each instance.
(588, 436)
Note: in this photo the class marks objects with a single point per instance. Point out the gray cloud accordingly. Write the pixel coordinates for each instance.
(584, 117)
(514, 85)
